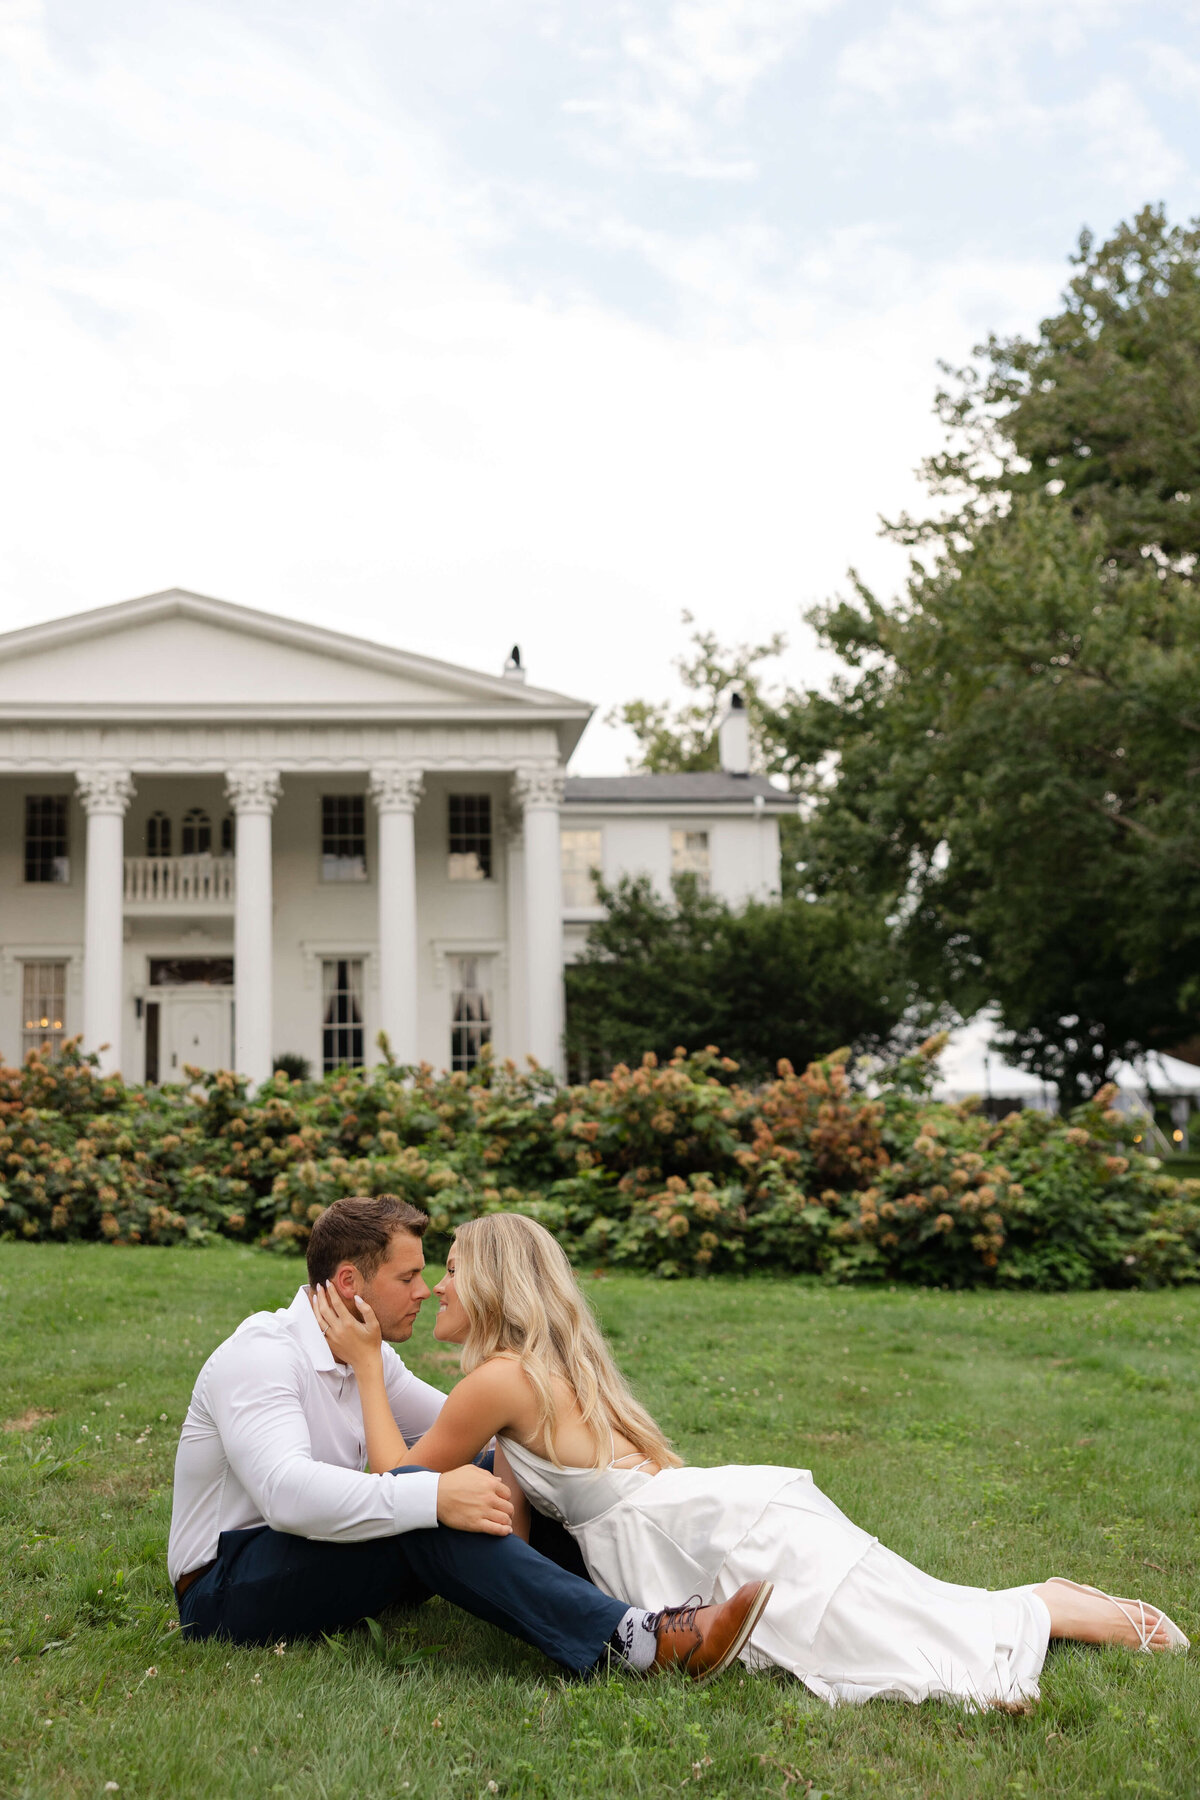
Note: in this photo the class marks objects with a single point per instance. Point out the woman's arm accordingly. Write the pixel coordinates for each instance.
(504, 1469)
(482, 1404)
(386, 1444)
(359, 1342)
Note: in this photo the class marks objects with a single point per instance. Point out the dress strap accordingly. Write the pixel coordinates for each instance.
(623, 1462)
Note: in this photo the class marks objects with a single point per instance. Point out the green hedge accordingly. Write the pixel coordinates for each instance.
(675, 1169)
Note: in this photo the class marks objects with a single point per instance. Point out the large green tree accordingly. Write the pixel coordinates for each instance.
(761, 981)
(1013, 757)
(1101, 408)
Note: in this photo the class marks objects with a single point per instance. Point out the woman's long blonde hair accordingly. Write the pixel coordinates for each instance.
(521, 1298)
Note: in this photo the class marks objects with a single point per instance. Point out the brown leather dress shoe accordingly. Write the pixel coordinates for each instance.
(703, 1640)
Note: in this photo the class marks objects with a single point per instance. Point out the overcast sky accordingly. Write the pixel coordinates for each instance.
(455, 324)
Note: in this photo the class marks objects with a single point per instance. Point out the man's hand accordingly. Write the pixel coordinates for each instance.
(471, 1499)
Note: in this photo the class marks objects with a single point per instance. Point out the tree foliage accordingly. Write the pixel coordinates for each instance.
(682, 739)
(764, 980)
(1102, 407)
(1017, 760)
(1017, 740)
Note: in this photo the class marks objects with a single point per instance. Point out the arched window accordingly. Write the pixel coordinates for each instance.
(227, 835)
(158, 835)
(196, 835)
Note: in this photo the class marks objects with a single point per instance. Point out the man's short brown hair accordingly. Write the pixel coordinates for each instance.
(360, 1231)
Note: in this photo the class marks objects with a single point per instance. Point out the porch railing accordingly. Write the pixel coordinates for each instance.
(162, 880)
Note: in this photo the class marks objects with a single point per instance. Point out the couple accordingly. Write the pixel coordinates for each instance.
(276, 1532)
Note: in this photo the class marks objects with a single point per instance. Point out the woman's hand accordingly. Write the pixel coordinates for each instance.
(353, 1340)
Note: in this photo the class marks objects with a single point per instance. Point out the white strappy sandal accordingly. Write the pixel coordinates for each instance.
(1146, 1620)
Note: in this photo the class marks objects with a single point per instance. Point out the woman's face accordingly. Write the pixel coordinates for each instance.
(450, 1326)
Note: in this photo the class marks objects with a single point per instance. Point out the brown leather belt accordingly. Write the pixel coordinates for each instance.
(185, 1581)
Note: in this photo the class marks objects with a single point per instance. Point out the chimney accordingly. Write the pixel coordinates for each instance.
(513, 670)
(733, 737)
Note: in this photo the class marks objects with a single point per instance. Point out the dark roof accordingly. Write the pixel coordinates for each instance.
(670, 790)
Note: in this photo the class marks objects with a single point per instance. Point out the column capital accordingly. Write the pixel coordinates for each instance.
(538, 786)
(104, 789)
(252, 789)
(396, 787)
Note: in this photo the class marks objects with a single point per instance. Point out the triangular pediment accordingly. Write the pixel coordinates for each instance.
(178, 650)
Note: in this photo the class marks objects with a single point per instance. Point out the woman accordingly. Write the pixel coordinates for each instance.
(848, 1617)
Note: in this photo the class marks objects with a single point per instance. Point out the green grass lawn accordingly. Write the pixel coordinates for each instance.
(992, 1439)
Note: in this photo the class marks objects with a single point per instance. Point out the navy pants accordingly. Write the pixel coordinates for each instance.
(266, 1585)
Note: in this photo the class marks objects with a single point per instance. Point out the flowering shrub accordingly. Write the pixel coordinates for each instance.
(676, 1169)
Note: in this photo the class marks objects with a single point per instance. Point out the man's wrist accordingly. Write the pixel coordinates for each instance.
(415, 1498)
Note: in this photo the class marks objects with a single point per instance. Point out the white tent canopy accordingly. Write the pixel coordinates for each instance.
(967, 1066)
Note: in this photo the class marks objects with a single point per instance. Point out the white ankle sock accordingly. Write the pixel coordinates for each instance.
(634, 1639)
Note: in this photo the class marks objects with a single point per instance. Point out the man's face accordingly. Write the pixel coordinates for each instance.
(395, 1291)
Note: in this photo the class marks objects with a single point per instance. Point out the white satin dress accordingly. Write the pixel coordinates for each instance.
(849, 1618)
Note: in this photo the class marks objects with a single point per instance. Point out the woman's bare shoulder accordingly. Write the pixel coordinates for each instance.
(491, 1398)
(500, 1374)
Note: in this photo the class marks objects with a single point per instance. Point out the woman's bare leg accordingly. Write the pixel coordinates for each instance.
(1093, 1618)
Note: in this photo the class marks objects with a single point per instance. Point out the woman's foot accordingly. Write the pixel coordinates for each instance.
(1093, 1617)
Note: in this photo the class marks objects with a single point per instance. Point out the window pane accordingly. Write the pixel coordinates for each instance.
(180, 971)
(158, 835)
(153, 1015)
(195, 839)
(472, 1014)
(582, 851)
(46, 838)
(470, 837)
(43, 1003)
(341, 1013)
(343, 837)
(689, 856)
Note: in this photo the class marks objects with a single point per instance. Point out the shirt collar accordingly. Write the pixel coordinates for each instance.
(303, 1321)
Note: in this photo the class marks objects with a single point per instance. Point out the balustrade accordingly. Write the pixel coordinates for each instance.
(166, 880)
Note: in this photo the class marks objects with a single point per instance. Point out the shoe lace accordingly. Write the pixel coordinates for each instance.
(677, 1618)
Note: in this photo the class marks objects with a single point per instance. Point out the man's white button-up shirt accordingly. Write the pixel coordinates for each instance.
(274, 1436)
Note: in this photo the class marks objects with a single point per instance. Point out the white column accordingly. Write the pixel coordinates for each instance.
(105, 793)
(517, 1036)
(396, 788)
(538, 790)
(252, 792)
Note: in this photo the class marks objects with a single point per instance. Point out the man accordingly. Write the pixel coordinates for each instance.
(277, 1531)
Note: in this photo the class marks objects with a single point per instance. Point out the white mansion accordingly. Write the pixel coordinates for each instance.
(225, 836)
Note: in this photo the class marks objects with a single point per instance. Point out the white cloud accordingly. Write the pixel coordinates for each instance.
(966, 44)
(674, 84)
(980, 67)
(1172, 70)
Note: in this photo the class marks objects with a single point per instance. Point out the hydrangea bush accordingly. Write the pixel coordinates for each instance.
(675, 1169)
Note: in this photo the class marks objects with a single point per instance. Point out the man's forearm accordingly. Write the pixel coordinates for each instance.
(318, 1500)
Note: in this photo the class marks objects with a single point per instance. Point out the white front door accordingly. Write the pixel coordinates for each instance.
(196, 1026)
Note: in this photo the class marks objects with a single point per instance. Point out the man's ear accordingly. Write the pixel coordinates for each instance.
(347, 1281)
